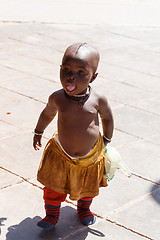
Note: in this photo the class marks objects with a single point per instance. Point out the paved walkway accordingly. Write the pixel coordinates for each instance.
(129, 75)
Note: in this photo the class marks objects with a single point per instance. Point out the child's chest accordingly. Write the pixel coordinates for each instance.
(77, 111)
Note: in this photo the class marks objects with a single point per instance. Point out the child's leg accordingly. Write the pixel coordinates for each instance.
(85, 215)
(52, 205)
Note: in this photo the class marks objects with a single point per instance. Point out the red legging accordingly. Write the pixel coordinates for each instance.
(54, 198)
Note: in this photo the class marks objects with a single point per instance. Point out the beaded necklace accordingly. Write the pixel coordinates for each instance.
(80, 99)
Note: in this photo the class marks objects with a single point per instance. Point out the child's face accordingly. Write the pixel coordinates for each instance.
(76, 73)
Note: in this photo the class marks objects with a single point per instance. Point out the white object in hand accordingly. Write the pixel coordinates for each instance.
(113, 162)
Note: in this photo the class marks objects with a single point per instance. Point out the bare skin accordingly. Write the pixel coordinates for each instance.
(78, 128)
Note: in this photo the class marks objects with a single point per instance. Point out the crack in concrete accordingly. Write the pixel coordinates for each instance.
(131, 203)
(138, 138)
(129, 105)
(133, 70)
(125, 36)
(9, 123)
(129, 229)
(15, 174)
(141, 138)
(29, 74)
(146, 179)
(22, 94)
(56, 23)
(10, 185)
(77, 23)
(17, 40)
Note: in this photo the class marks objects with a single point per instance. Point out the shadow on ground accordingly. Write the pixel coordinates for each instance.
(156, 192)
(68, 225)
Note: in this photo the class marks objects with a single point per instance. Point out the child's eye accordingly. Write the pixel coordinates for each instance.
(66, 70)
(80, 72)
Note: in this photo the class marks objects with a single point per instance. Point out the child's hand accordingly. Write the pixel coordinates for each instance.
(37, 142)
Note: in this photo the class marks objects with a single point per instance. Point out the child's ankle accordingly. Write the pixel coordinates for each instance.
(51, 219)
(85, 215)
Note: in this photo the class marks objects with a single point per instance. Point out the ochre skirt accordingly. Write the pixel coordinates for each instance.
(80, 177)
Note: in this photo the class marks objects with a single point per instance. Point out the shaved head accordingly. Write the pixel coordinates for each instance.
(85, 52)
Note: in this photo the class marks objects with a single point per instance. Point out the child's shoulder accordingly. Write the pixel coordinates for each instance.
(102, 102)
(56, 95)
(99, 96)
(56, 98)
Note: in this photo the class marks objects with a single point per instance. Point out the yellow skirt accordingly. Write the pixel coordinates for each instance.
(80, 177)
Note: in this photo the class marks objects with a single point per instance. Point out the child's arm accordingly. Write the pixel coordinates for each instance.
(107, 119)
(45, 118)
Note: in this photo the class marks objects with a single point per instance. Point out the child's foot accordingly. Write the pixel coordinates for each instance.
(47, 223)
(85, 215)
(52, 216)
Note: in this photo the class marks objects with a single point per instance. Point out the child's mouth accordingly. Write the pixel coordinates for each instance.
(70, 87)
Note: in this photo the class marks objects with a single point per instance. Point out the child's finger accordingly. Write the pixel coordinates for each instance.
(39, 143)
(35, 146)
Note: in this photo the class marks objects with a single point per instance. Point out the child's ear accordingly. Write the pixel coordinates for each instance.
(94, 77)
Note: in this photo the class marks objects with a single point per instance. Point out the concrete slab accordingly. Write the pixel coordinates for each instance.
(31, 87)
(8, 130)
(123, 93)
(144, 81)
(154, 138)
(18, 155)
(143, 216)
(23, 114)
(113, 72)
(136, 122)
(154, 46)
(7, 74)
(7, 98)
(25, 65)
(108, 40)
(152, 105)
(143, 158)
(105, 230)
(23, 48)
(142, 33)
(32, 37)
(120, 139)
(135, 58)
(8, 179)
(120, 193)
(9, 30)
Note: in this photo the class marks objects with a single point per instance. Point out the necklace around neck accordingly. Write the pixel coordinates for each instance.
(79, 99)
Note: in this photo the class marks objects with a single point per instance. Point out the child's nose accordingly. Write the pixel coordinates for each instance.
(71, 78)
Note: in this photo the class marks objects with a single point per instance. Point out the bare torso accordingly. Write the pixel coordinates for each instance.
(78, 128)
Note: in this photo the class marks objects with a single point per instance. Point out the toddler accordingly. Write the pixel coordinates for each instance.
(73, 159)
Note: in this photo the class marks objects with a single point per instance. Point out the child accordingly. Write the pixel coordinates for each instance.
(73, 159)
